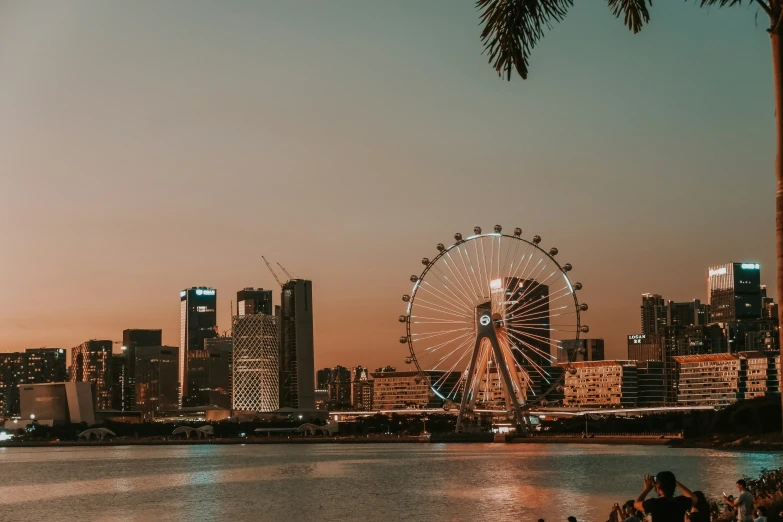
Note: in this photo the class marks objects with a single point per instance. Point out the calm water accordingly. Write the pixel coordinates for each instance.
(428, 482)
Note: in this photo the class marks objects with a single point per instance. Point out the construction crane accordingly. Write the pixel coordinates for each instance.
(285, 271)
(272, 272)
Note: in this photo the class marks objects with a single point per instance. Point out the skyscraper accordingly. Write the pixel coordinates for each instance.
(198, 321)
(296, 359)
(12, 374)
(45, 365)
(124, 366)
(212, 368)
(653, 314)
(688, 313)
(734, 292)
(157, 388)
(254, 301)
(256, 372)
(92, 362)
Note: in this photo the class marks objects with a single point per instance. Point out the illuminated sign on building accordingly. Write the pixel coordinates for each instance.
(750, 266)
(204, 291)
(636, 338)
(718, 271)
(484, 320)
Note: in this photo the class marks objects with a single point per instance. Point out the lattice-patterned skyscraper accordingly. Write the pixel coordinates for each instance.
(256, 374)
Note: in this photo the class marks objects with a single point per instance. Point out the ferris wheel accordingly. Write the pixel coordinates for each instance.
(487, 320)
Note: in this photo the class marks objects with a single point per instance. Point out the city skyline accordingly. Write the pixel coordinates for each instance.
(141, 151)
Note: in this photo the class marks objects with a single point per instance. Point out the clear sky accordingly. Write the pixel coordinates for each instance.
(146, 147)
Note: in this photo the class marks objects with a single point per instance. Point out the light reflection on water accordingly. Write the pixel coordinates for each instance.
(349, 482)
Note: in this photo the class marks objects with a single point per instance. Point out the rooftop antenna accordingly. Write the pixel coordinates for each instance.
(272, 272)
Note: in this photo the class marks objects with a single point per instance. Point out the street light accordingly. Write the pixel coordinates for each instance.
(32, 416)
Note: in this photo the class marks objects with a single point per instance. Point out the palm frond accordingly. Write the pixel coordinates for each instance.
(513, 27)
(634, 11)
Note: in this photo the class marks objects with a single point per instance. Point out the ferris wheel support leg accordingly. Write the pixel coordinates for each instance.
(507, 381)
(468, 388)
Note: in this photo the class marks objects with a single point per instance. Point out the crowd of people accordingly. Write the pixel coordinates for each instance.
(689, 506)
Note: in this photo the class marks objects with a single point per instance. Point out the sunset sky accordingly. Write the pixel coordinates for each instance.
(146, 147)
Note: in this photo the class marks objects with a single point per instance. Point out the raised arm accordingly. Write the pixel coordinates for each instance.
(687, 492)
(649, 484)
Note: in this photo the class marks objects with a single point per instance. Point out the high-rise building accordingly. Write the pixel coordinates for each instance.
(653, 314)
(688, 313)
(92, 362)
(157, 387)
(13, 371)
(296, 355)
(214, 365)
(734, 292)
(322, 378)
(252, 301)
(120, 382)
(125, 375)
(255, 368)
(198, 322)
(340, 388)
(581, 350)
(361, 388)
(44, 365)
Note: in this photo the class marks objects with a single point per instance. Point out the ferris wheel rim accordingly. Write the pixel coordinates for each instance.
(535, 243)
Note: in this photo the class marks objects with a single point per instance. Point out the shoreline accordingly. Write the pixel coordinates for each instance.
(769, 443)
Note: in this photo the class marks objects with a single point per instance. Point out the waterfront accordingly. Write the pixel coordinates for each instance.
(348, 482)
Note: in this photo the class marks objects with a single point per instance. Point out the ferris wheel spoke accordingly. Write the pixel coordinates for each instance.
(542, 313)
(440, 308)
(467, 287)
(537, 367)
(430, 349)
(536, 349)
(435, 320)
(458, 284)
(460, 301)
(463, 344)
(527, 306)
(469, 274)
(430, 335)
(445, 298)
(552, 342)
(485, 277)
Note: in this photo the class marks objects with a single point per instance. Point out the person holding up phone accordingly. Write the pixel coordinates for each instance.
(667, 507)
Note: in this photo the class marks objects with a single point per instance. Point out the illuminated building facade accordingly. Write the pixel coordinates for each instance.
(734, 292)
(255, 367)
(361, 388)
(198, 322)
(708, 378)
(12, 374)
(43, 365)
(403, 390)
(156, 380)
(296, 355)
(601, 383)
(92, 362)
